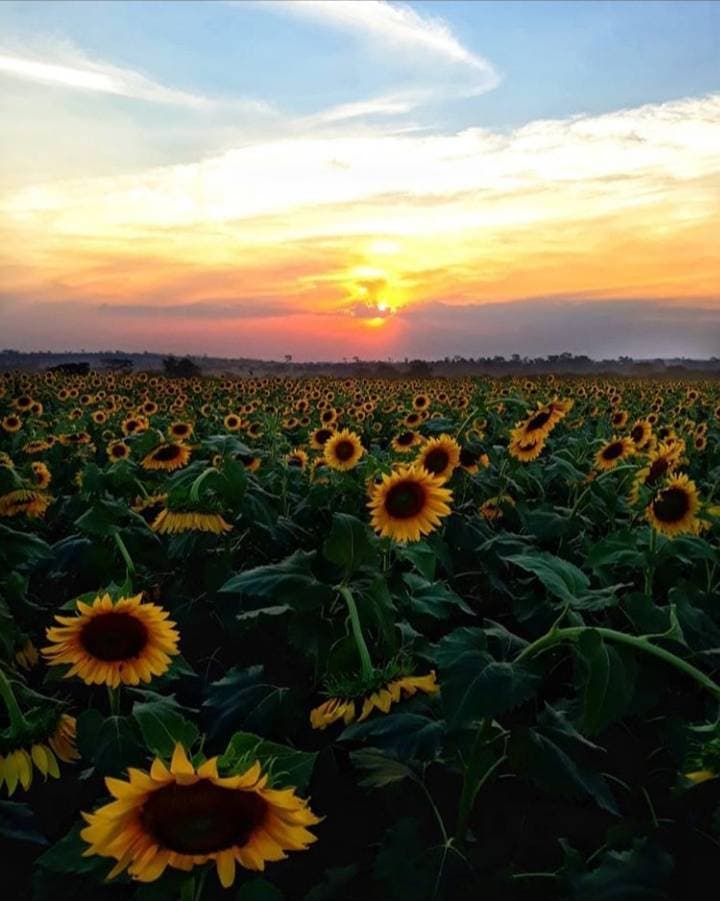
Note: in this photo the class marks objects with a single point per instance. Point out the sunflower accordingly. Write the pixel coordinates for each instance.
(117, 450)
(619, 419)
(111, 643)
(641, 434)
(405, 442)
(181, 430)
(539, 423)
(232, 422)
(320, 436)
(41, 475)
(27, 656)
(382, 699)
(472, 461)
(135, 425)
(181, 816)
(174, 522)
(45, 737)
(24, 501)
(673, 509)
(297, 459)
(12, 423)
(343, 450)
(525, 448)
(168, 457)
(408, 503)
(35, 447)
(661, 463)
(494, 507)
(613, 452)
(421, 402)
(439, 457)
(148, 507)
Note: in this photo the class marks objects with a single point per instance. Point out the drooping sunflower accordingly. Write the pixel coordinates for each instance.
(408, 503)
(48, 735)
(613, 452)
(674, 508)
(524, 448)
(24, 501)
(494, 508)
(182, 817)
(439, 456)
(175, 522)
(111, 643)
(346, 709)
(343, 451)
(41, 474)
(168, 457)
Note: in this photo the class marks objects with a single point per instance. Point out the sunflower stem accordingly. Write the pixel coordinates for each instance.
(129, 565)
(17, 721)
(572, 633)
(368, 669)
(114, 699)
(476, 774)
(195, 487)
(650, 568)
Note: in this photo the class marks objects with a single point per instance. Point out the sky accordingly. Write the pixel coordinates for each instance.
(373, 179)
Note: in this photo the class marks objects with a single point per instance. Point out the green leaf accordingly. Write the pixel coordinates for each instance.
(65, 856)
(18, 823)
(433, 598)
(288, 766)
(105, 517)
(163, 725)
(608, 682)
(379, 770)
(110, 743)
(259, 889)
(473, 685)
(402, 866)
(350, 544)
(21, 549)
(291, 581)
(407, 736)
(640, 873)
(561, 578)
(421, 555)
(243, 698)
(334, 886)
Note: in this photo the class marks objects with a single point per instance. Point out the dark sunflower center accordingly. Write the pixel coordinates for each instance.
(114, 636)
(613, 451)
(637, 433)
(295, 461)
(131, 426)
(672, 505)
(202, 818)
(119, 450)
(537, 421)
(246, 459)
(405, 439)
(436, 461)
(322, 435)
(405, 500)
(180, 430)
(167, 453)
(344, 450)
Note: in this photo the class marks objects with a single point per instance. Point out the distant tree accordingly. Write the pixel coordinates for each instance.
(420, 369)
(180, 368)
(117, 364)
(71, 368)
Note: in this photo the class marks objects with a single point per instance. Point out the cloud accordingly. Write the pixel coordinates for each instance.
(241, 308)
(394, 25)
(72, 69)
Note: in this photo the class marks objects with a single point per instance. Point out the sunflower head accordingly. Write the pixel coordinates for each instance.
(184, 816)
(168, 457)
(440, 456)
(343, 450)
(46, 735)
(113, 642)
(613, 452)
(674, 508)
(408, 503)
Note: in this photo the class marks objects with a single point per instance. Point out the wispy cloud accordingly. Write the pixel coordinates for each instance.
(70, 68)
(398, 25)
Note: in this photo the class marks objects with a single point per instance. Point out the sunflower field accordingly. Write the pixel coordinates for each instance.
(338, 639)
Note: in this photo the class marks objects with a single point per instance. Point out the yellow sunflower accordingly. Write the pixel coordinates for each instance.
(232, 422)
(661, 463)
(494, 507)
(168, 457)
(11, 423)
(408, 503)
(405, 442)
(24, 501)
(40, 748)
(182, 817)
(673, 509)
(346, 709)
(111, 643)
(320, 436)
(526, 448)
(298, 459)
(641, 434)
(117, 450)
(181, 431)
(174, 522)
(613, 452)
(41, 475)
(439, 456)
(27, 656)
(343, 451)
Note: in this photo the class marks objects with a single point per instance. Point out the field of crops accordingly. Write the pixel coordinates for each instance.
(338, 639)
